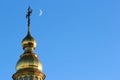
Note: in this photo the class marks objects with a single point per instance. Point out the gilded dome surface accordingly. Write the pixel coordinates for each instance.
(29, 60)
(29, 41)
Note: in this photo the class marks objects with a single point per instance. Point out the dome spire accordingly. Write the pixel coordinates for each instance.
(29, 43)
(28, 17)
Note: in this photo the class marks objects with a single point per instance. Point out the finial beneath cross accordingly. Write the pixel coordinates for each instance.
(28, 15)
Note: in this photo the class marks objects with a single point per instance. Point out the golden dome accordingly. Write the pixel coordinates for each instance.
(28, 64)
(28, 60)
(29, 41)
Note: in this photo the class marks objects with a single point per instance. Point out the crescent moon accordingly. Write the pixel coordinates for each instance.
(41, 12)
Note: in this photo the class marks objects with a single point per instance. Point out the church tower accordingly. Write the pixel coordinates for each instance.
(28, 66)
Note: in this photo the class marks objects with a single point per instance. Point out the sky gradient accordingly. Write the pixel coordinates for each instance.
(76, 39)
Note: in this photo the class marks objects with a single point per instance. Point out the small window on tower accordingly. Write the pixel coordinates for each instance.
(20, 78)
(25, 78)
(31, 77)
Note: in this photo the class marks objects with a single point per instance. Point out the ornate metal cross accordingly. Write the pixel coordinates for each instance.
(28, 15)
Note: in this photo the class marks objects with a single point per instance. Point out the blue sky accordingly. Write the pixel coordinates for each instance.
(76, 39)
